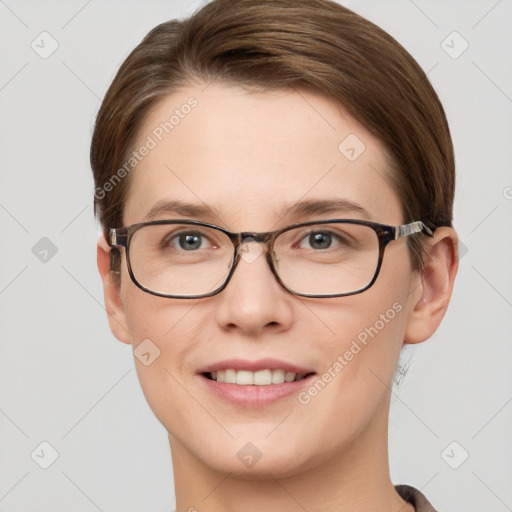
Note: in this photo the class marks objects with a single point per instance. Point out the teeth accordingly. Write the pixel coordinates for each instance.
(259, 378)
(289, 377)
(277, 376)
(263, 378)
(230, 376)
(244, 378)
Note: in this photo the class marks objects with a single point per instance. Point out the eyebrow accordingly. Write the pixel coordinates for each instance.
(178, 207)
(312, 207)
(298, 209)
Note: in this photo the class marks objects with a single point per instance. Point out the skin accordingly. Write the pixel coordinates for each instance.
(247, 153)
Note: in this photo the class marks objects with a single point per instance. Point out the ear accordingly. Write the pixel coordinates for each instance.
(111, 293)
(433, 288)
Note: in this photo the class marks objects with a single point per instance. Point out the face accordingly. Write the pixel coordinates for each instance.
(248, 156)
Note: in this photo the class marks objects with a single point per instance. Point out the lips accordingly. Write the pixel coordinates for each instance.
(254, 383)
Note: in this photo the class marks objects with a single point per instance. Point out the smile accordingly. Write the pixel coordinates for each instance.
(254, 383)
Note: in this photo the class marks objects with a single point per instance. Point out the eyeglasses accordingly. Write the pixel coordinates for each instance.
(187, 259)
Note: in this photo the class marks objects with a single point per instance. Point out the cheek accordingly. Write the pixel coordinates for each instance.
(143, 311)
(367, 332)
(366, 337)
(163, 332)
(168, 322)
(368, 328)
(360, 362)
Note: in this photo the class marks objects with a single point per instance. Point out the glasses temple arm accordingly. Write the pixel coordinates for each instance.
(116, 237)
(411, 229)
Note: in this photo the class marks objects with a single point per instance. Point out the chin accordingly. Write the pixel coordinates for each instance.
(276, 465)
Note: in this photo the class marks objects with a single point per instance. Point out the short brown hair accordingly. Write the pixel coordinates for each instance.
(284, 44)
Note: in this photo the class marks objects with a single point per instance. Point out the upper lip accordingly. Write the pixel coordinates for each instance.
(253, 366)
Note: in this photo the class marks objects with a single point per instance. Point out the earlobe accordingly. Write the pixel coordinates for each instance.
(435, 286)
(111, 294)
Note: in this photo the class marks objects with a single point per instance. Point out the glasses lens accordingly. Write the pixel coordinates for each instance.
(180, 259)
(327, 259)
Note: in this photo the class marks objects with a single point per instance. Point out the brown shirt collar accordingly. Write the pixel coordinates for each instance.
(415, 498)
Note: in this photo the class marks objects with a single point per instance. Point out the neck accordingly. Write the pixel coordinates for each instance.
(351, 479)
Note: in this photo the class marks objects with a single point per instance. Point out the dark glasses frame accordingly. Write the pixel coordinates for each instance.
(121, 237)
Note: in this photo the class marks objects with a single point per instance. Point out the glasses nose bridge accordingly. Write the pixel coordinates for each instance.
(265, 238)
(262, 238)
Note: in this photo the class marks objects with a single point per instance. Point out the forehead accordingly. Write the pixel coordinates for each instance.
(249, 154)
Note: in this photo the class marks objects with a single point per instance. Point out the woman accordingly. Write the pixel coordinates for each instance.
(275, 180)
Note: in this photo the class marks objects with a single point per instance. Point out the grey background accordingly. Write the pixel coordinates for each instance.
(66, 381)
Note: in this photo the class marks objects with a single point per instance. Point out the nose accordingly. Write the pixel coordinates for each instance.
(253, 301)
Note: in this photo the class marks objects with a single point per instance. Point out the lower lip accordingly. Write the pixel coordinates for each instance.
(255, 396)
